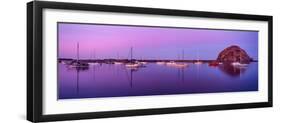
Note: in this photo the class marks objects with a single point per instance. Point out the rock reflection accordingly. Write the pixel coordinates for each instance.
(231, 70)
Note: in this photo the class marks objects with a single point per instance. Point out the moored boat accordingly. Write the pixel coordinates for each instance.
(238, 64)
(181, 65)
(77, 63)
(214, 63)
(133, 64)
(170, 63)
(118, 63)
(160, 63)
(94, 63)
(198, 62)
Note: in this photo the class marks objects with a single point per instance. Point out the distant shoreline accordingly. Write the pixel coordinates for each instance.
(140, 60)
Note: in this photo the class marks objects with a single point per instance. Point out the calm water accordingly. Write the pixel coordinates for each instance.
(108, 80)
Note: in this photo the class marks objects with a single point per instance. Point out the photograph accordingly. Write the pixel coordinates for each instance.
(112, 60)
(90, 60)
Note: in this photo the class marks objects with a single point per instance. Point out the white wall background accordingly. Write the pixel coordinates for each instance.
(13, 61)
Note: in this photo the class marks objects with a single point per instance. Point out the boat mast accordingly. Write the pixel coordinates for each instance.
(77, 55)
(197, 56)
(182, 54)
(94, 54)
(131, 54)
(178, 54)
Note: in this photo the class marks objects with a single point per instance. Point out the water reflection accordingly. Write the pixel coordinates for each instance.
(231, 70)
(110, 80)
(129, 74)
(181, 74)
(77, 69)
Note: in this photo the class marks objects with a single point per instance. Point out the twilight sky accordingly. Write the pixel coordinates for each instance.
(111, 41)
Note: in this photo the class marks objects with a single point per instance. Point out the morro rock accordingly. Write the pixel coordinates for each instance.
(234, 54)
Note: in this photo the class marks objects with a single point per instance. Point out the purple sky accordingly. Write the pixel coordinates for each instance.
(109, 41)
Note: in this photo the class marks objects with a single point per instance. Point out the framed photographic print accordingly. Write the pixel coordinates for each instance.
(95, 61)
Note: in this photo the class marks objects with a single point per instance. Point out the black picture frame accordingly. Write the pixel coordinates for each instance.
(35, 69)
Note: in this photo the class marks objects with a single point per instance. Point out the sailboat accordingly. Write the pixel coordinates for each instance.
(62, 62)
(118, 63)
(161, 63)
(132, 64)
(178, 64)
(171, 63)
(239, 64)
(181, 64)
(214, 63)
(77, 63)
(142, 62)
(118, 60)
(94, 58)
(197, 62)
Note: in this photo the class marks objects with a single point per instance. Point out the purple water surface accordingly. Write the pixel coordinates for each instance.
(111, 80)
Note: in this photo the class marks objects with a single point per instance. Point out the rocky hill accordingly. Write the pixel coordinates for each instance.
(234, 54)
